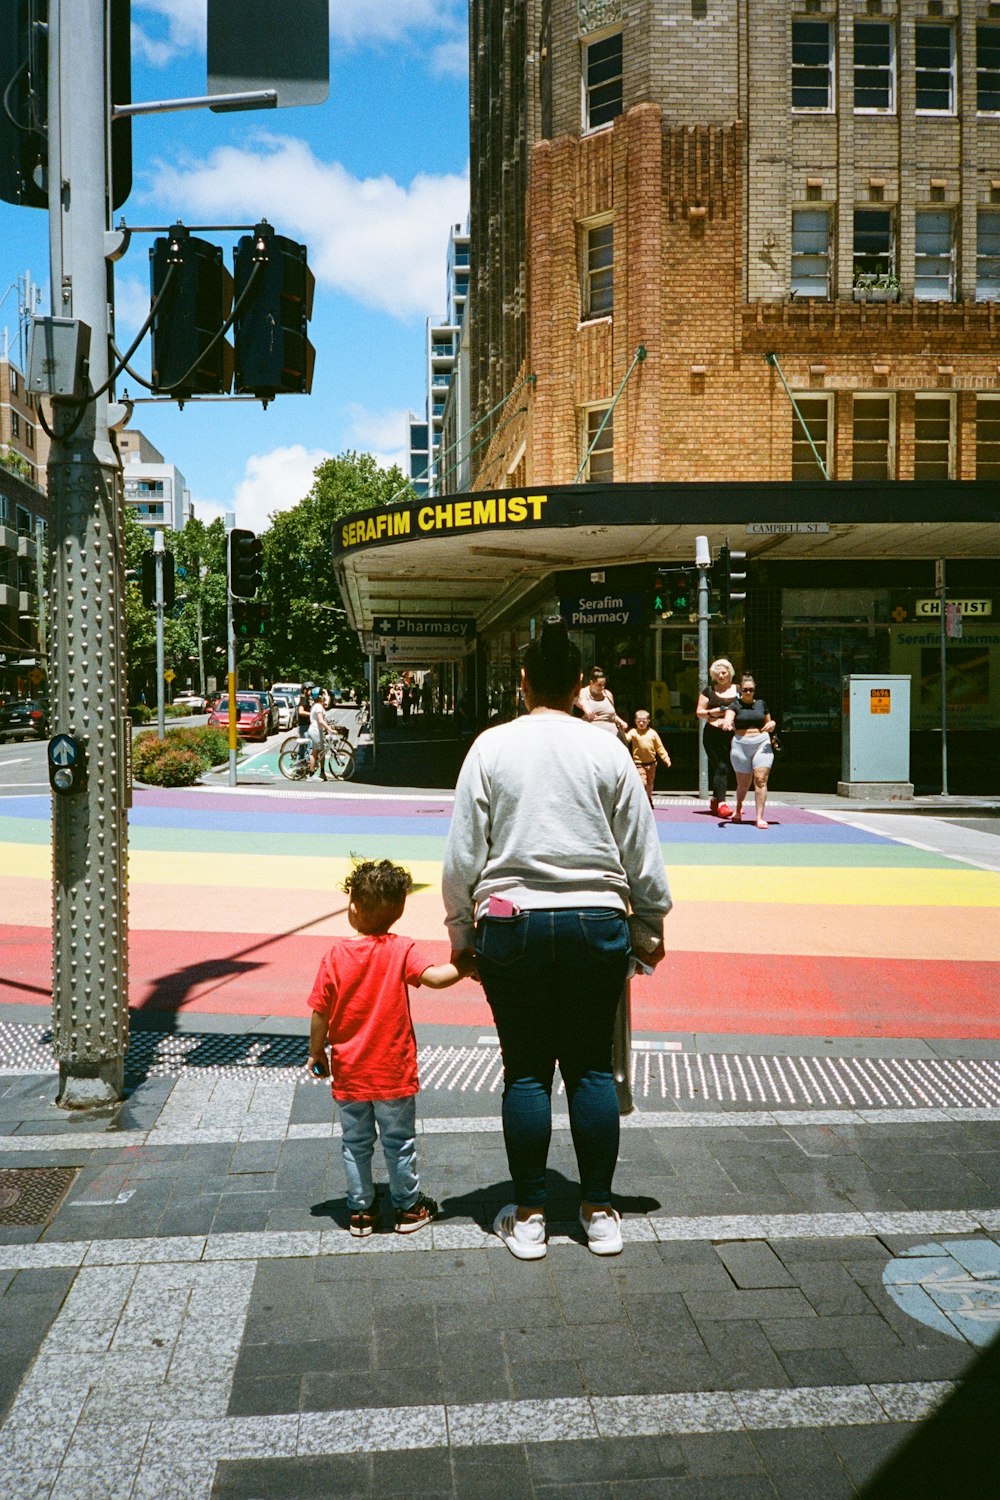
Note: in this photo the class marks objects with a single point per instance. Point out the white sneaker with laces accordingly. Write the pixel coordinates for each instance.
(524, 1238)
(604, 1231)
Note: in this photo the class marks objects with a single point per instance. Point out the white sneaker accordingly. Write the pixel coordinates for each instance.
(523, 1238)
(604, 1231)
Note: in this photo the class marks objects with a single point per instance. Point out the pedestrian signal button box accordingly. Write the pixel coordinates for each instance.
(875, 754)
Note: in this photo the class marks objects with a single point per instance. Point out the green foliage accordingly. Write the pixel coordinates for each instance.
(16, 462)
(174, 766)
(181, 755)
(205, 740)
(140, 713)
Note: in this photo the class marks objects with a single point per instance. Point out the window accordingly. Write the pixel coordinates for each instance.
(988, 437)
(23, 522)
(598, 290)
(935, 69)
(601, 464)
(4, 510)
(810, 252)
(15, 424)
(29, 436)
(934, 255)
(13, 382)
(603, 96)
(812, 65)
(988, 255)
(815, 413)
(932, 440)
(871, 443)
(874, 67)
(988, 69)
(874, 242)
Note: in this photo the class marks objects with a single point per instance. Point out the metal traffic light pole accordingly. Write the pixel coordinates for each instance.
(703, 561)
(87, 661)
(158, 605)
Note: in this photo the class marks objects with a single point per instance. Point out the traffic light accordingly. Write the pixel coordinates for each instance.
(24, 69)
(273, 353)
(244, 564)
(732, 578)
(189, 358)
(659, 595)
(683, 595)
(149, 580)
(250, 619)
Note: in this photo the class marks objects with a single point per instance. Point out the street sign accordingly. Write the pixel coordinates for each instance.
(414, 653)
(432, 627)
(787, 528)
(63, 750)
(169, 675)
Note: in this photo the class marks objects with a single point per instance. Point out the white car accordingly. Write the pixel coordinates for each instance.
(286, 705)
(193, 702)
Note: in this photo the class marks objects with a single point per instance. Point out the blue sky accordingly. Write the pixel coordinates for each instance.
(370, 181)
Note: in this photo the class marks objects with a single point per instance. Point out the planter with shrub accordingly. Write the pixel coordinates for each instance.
(180, 757)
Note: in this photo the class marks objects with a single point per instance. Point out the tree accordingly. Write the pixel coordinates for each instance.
(309, 636)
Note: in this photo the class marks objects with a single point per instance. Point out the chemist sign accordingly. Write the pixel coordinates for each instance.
(584, 611)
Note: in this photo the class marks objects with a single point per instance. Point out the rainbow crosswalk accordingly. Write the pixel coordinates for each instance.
(812, 927)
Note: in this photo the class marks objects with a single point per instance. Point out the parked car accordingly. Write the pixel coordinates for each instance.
(286, 705)
(194, 702)
(252, 715)
(267, 698)
(23, 719)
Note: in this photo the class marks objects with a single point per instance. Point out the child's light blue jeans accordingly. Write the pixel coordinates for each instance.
(397, 1123)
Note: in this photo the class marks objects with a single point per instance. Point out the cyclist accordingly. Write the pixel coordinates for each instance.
(319, 725)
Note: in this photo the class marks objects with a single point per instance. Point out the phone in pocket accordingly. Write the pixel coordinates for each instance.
(499, 906)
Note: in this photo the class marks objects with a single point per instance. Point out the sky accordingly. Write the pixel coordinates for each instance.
(371, 181)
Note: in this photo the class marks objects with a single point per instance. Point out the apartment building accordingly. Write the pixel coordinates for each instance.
(155, 491)
(442, 346)
(24, 518)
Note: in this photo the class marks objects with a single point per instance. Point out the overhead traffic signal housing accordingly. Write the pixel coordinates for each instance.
(274, 296)
(24, 112)
(190, 356)
(149, 579)
(244, 564)
(732, 578)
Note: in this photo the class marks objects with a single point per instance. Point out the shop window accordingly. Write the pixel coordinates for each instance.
(934, 255)
(874, 67)
(874, 242)
(598, 288)
(810, 272)
(935, 69)
(933, 438)
(871, 439)
(988, 69)
(988, 255)
(603, 96)
(814, 412)
(988, 437)
(812, 65)
(601, 463)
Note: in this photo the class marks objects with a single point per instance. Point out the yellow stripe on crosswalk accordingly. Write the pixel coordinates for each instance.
(841, 886)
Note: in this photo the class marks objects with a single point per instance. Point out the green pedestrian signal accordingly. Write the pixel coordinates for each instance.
(659, 595)
(681, 594)
(250, 619)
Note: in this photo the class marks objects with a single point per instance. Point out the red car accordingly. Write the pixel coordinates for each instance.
(251, 715)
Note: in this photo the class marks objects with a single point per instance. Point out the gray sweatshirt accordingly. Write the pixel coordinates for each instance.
(550, 813)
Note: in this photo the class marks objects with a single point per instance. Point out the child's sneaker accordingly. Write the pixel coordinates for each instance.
(604, 1231)
(364, 1222)
(524, 1238)
(416, 1216)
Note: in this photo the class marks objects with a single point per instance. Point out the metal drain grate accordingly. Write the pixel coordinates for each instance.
(737, 1079)
(31, 1195)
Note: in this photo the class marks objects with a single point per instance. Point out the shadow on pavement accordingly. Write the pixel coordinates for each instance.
(956, 1452)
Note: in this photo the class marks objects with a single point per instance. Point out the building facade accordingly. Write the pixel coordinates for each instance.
(22, 435)
(155, 491)
(24, 519)
(442, 348)
(745, 242)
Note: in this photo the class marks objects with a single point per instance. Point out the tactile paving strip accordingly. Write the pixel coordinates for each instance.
(739, 1079)
(31, 1195)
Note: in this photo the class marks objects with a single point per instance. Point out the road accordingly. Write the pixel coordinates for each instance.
(818, 927)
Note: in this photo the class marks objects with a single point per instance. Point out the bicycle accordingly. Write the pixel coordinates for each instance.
(336, 756)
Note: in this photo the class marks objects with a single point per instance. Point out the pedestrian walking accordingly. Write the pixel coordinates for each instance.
(552, 842)
(751, 751)
(716, 697)
(597, 706)
(361, 1011)
(647, 748)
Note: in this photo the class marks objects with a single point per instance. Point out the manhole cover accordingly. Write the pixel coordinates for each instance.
(31, 1195)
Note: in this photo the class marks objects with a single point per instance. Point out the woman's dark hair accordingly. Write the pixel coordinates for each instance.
(551, 662)
(596, 672)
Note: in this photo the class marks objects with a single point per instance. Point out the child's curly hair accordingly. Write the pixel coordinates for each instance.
(374, 883)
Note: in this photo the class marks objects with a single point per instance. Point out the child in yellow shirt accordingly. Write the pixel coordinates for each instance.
(646, 747)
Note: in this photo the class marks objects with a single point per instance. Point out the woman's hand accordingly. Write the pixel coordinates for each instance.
(770, 726)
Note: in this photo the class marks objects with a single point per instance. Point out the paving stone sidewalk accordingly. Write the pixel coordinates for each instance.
(798, 1304)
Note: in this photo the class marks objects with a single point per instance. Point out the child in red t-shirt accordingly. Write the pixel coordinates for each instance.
(361, 1008)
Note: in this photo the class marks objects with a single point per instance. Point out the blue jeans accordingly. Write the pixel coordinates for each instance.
(553, 980)
(397, 1123)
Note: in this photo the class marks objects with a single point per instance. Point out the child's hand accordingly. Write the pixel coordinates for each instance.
(318, 1066)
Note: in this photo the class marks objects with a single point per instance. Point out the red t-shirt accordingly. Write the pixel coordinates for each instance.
(361, 990)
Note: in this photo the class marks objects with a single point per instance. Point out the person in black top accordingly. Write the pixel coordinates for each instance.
(303, 711)
(716, 697)
(751, 752)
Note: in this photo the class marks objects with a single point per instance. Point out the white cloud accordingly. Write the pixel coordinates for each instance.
(357, 21)
(451, 59)
(172, 27)
(383, 434)
(373, 239)
(273, 481)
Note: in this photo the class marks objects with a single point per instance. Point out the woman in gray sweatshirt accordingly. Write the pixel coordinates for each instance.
(552, 845)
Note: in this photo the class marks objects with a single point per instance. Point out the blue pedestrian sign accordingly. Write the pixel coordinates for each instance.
(63, 750)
